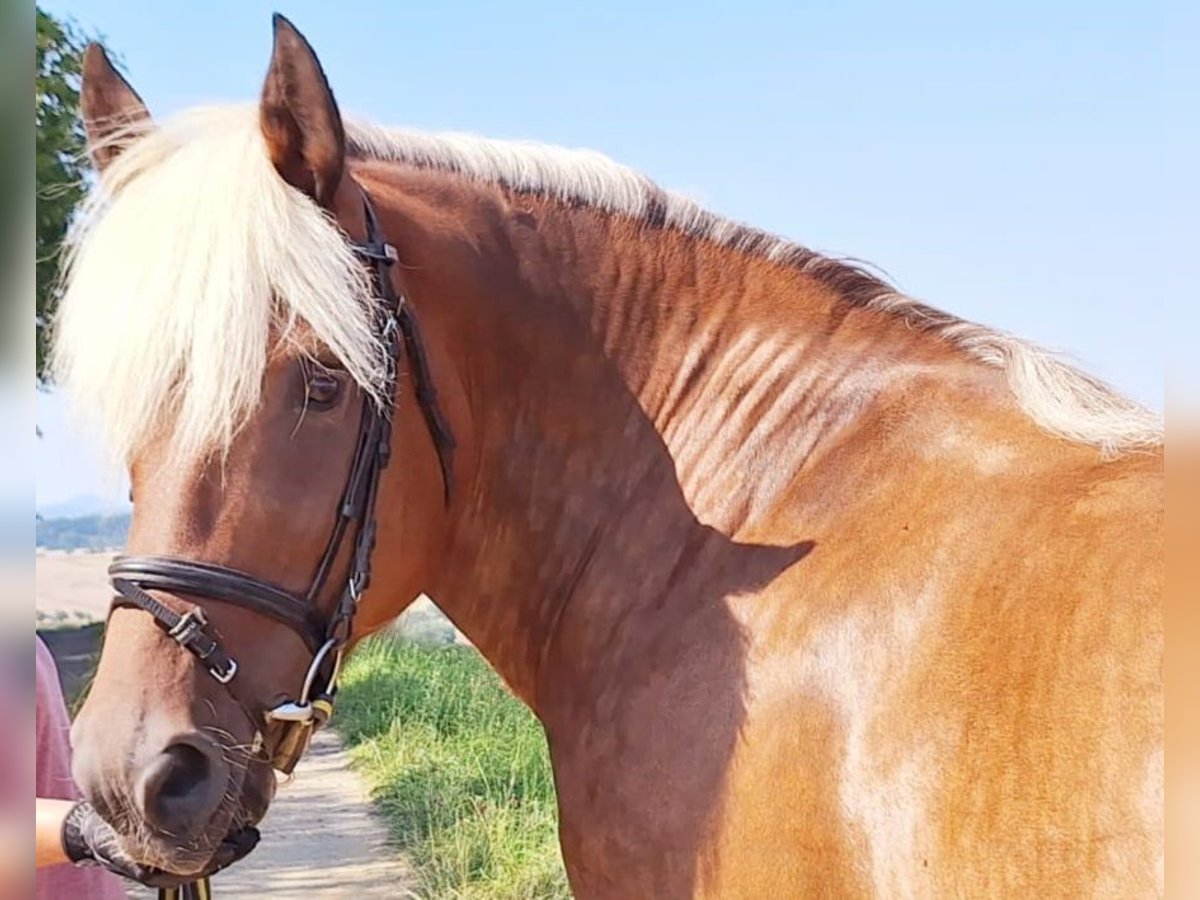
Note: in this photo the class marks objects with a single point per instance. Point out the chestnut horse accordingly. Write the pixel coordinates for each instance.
(816, 590)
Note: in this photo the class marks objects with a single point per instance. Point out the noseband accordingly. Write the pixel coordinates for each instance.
(325, 637)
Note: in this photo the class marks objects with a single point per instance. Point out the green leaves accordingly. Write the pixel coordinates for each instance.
(61, 162)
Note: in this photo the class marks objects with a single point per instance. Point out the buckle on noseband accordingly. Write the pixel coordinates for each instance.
(189, 633)
(190, 625)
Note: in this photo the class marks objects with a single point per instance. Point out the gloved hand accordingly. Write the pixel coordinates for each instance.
(89, 841)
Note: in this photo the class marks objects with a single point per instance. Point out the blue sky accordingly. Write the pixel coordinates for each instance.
(1007, 163)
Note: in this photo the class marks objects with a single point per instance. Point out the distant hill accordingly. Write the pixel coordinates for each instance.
(96, 532)
(82, 506)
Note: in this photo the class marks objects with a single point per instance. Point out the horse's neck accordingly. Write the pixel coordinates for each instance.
(638, 402)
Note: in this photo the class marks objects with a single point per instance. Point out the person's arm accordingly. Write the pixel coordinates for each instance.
(47, 838)
(68, 831)
(15, 878)
(48, 831)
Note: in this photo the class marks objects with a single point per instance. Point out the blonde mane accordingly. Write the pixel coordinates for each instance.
(193, 255)
(187, 266)
(1059, 397)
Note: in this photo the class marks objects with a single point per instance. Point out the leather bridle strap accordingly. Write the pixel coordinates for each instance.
(369, 457)
(414, 347)
(443, 439)
(166, 573)
(186, 630)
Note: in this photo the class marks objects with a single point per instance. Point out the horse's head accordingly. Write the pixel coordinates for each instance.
(232, 319)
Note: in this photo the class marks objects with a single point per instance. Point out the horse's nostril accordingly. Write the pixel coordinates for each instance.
(186, 768)
(181, 787)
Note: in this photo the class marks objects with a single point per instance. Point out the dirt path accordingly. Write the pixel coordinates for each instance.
(321, 837)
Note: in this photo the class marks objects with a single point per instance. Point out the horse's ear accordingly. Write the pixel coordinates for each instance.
(300, 119)
(111, 109)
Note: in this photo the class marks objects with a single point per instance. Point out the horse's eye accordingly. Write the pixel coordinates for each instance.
(322, 390)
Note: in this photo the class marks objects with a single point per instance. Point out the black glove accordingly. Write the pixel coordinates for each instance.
(90, 841)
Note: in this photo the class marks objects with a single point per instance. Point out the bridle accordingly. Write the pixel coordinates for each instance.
(326, 638)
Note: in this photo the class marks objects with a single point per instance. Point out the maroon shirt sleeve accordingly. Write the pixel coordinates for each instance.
(53, 779)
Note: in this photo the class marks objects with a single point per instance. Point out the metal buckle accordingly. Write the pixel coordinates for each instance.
(189, 623)
(226, 676)
(391, 324)
(380, 251)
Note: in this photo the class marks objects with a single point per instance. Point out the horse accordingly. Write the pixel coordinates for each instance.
(816, 590)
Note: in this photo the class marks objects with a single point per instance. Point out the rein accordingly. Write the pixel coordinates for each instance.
(326, 638)
(195, 890)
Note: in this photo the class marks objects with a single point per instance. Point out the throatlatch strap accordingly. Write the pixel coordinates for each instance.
(443, 438)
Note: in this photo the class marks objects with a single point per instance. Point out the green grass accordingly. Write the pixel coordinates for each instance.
(458, 766)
